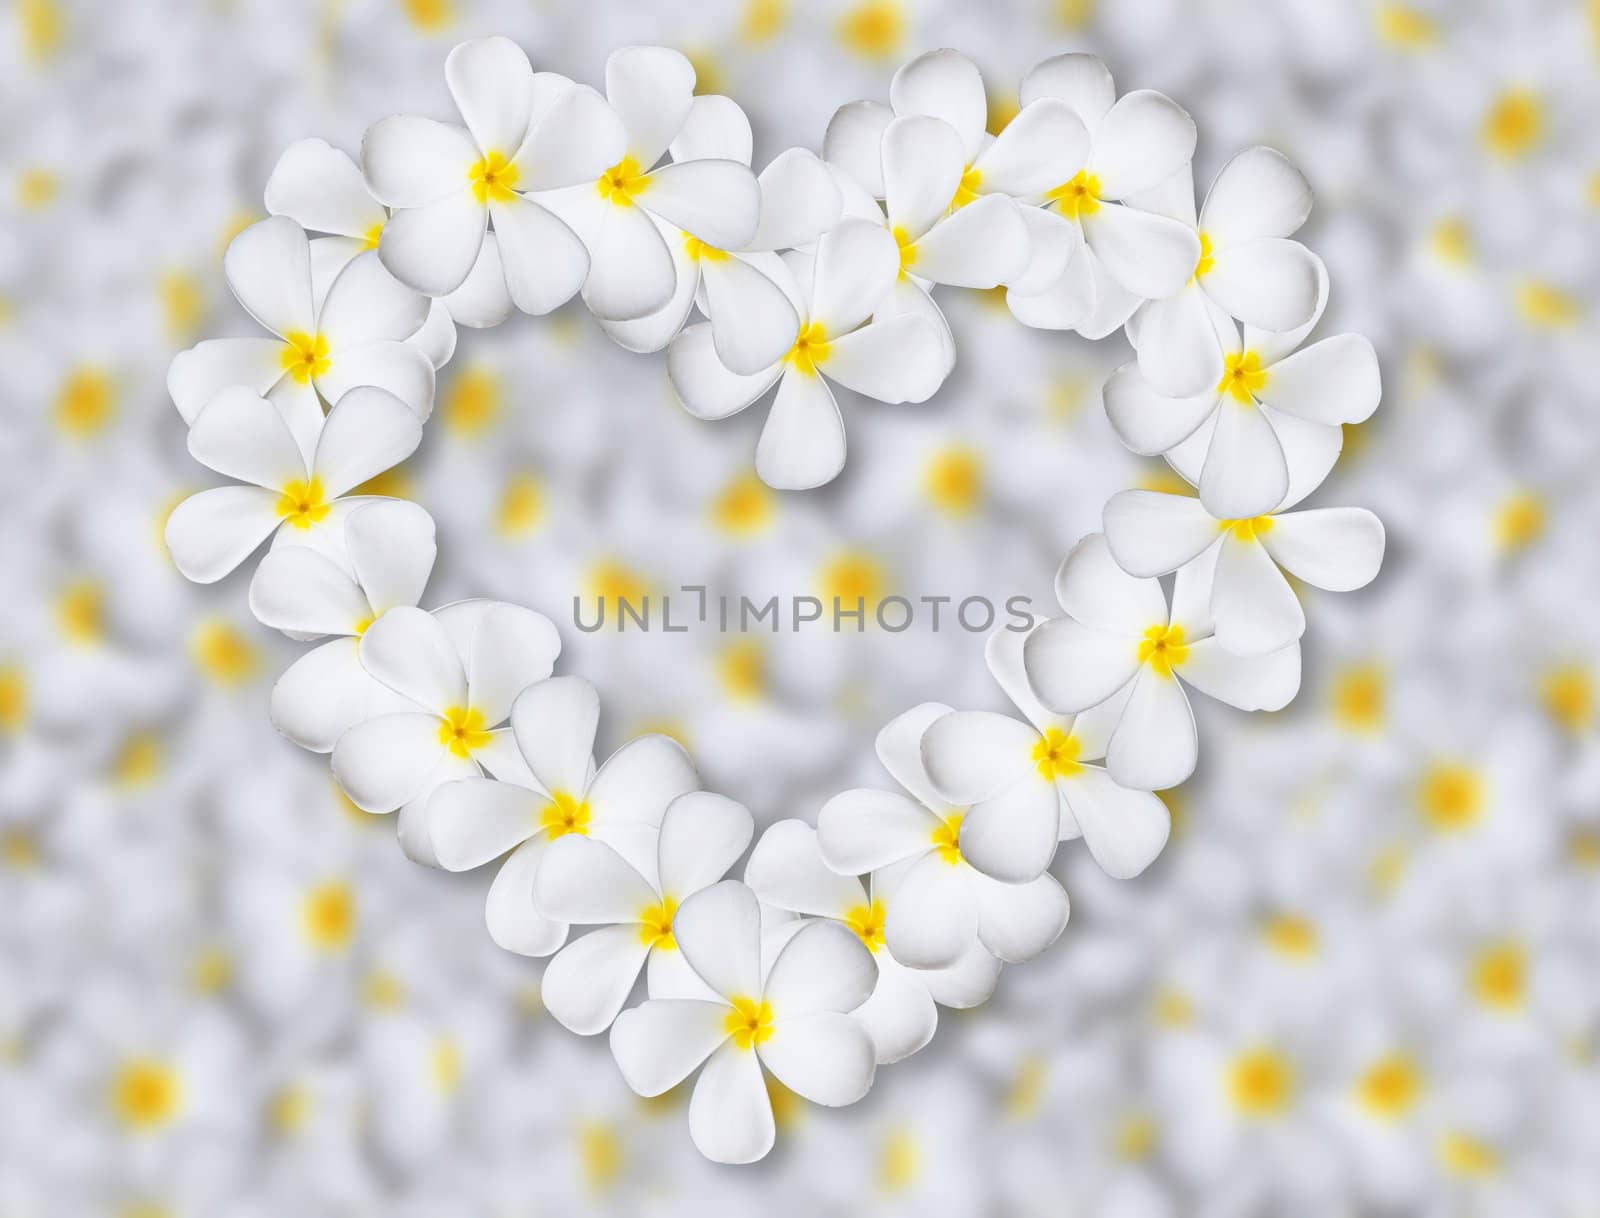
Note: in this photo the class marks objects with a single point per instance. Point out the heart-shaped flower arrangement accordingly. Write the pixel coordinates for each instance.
(830, 956)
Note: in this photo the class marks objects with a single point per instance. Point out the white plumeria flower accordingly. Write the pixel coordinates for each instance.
(1118, 643)
(791, 1017)
(1251, 604)
(787, 871)
(1248, 268)
(1270, 429)
(292, 492)
(893, 359)
(752, 320)
(943, 906)
(525, 132)
(1031, 783)
(459, 667)
(1136, 142)
(584, 880)
(550, 792)
(387, 556)
(321, 189)
(715, 199)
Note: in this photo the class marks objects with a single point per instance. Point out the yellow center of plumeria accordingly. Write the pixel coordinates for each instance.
(493, 178)
(224, 653)
(1499, 976)
(1463, 1155)
(601, 1155)
(13, 698)
(211, 971)
(946, 838)
(749, 1022)
(1242, 376)
(373, 235)
(429, 15)
(1405, 27)
(853, 580)
(762, 20)
(810, 348)
(1260, 1083)
(1172, 1008)
(444, 1065)
(521, 506)
(462, 730)
(302, 503)
(1519, 521)
(81, 612)
(1026, 1090)
(383, 991)
(1078, 197)
(899, 1162)
(328, 916)
(18, 850)
(1515, 124)
(699, 251)
(146, 1094)
(1358, 698)
(868, 922)
(742, 670)
(1056, 755)
(304, 355)
(954, 481)
(43, 27)
(564, 814)
(1291, 935)
(182, 304)
(873, 29)
(1546, 306)
(1390, 1087)
(969, 189)
(1583, 848)
(745, 506)
(289, 1110)
(1163, 649)
(472, 403)
(1207, 260)
(1451, 797)
(1452, 241)
(85, 403)
(622, 183)
(1135, 1137)
(655, 923)
(1568, 696)
(1247, 528)
(908, 248)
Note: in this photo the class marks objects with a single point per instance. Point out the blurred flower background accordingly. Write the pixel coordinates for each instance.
(1363, 978)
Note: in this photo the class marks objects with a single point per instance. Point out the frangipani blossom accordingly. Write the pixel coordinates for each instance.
(943, 906)
(388, 554)
(1248, 268)
(583, 880)
(787, 871)
(1136, 142)
(1118, 644)
(549, 791)
(1236, 562)
(715, 199)
(1021, 779)
(792, 1017)
(525, 132)
(1270, 429)
(459, 667)
(293, 491)
(893, 359)
(322, 348)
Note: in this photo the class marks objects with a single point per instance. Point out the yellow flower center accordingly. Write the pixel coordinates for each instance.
(601, 1154)
(1499, 976)
(289, 1109)
(873, 29)
(1405, 27)
(810, 348)
(1390, 1087)
(302, 504)
(969, 189)
(304, 356)
(745, 506)
(86, 402)
(899, 1162)
(146, 1094)
(1056, 755)
(328, 916)
(699, 251)
(429, 14)
(373, 235)
(655, 923)
(1207, 259)
(1451, 797)
(18, 850)
(1452, 241)
(622, 183)
(492, 178)
(1568, 695)
(224, 654)
(1291, 935)
(211, 970)
(1519, 522)
(1358, 697)
(564, 814)
(521, 505)
(749, 1022)
(1515, 124)
(1163, 649)
(1463, 1155)
(1078, 197)
(742, 669)
(1546, 306)
(908, 248)
(1247, 529)
(473, 402)
(946, 838)
(867, 921)
(1242, 376)
(1135, 1137)
(444, 1065)
(762, 20)
(954, 481)
(81, 612)
(13, 697)
(1260, 1083)
(462, 730)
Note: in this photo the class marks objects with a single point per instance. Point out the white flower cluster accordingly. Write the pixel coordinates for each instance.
(830, 956)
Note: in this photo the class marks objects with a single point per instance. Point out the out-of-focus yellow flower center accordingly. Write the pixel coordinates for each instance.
(810, 348)
(954, 481)
(1358, 697)
(289, 1110)
(762, 20)
(745, 506)
(521, 505)
(899, 1162)
(138, 761)
(211, 971)
(383, 991)
(13, 697)
(873, 29)
(946, 838)
(1242, 376)
(146, 1094)
(1405, 27)
(1172, 1009)
(429, 15)
(742, 668)
(1247, 528)
(1499, 976)
(853, 579)
(81, 612)
(868, 922)
(43, 29)
(473, 401)
(564, 814)
(1464, 1155)
(1260, 1083)
(302, 503)
(1135, 1137)
(1546, 306)
(1291, 935)
(601, 1155)
(1390, 1087)
(328, 916)
(462, 730)
(1568, 695)
(86, 402)
(18, 850)
(1514, 124)
(224, 654)
(655, 925)
(622, 183)
(182, 303)
(1056, 755)
(749, 1022)
(444, 1065)
(304, 356)
(493, 178)
(1079, 196)
(1163, 649)
(1519, 521)
(1451, 796)
(1452, 241)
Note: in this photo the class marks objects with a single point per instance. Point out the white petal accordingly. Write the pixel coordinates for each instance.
(909, 298)
(658, 1044)
(1113, 302)
(325, 693)
(433, 247)
(545, 264)
(655, 330)
(1144, 139)
(899, 749)
(368, 431)
(206, 369)
(512, 648)
(1180, 354)
(1073, 667)
(1252, 604)
(895, 359)
(1018, 921)
(1339, 549)
(944, 84)
(1267, 682)
(482, 299)
(717, 129)
(652, 90)
(367, 304)
(576, 139)
(589, 980)
(900, 1015)
(1079, 79)
(1270, 282)
(1149, 255)
(1154, 744)
(1331, 382)
(718, 930)
(409, 651)
(799, 201)
(1259, 193)
(802, 444)
(753, 325)
(630, 271)
(933, 918)
(702, 381)
(268, 266)
(639, 780)
(508, 911)
(472, 821)
(856, 265)
(492, 83)
(702, 836)
(411, 823)
(1124, 830)
(967, 983)
(396, 367)
(211, 533)
(786, 870)
(1063, 304)
(321, 189)
(297, 589)
(437, 337)
(826, 1058)
(1310, 449)
(1053, 242)
(555, 723)
(1042, 147)
(982, 245)
(1012, 836)
(1245, 473)
(730, 1113)
(922, 167)
(1149, 533)
(391, 544)
(1099, 594)
(717, 201)
(584, 880)
(410, 161)
(976, 755)
(823, 968)
(245, 437)
(387, 761)
(854, 142)
(862, 830)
